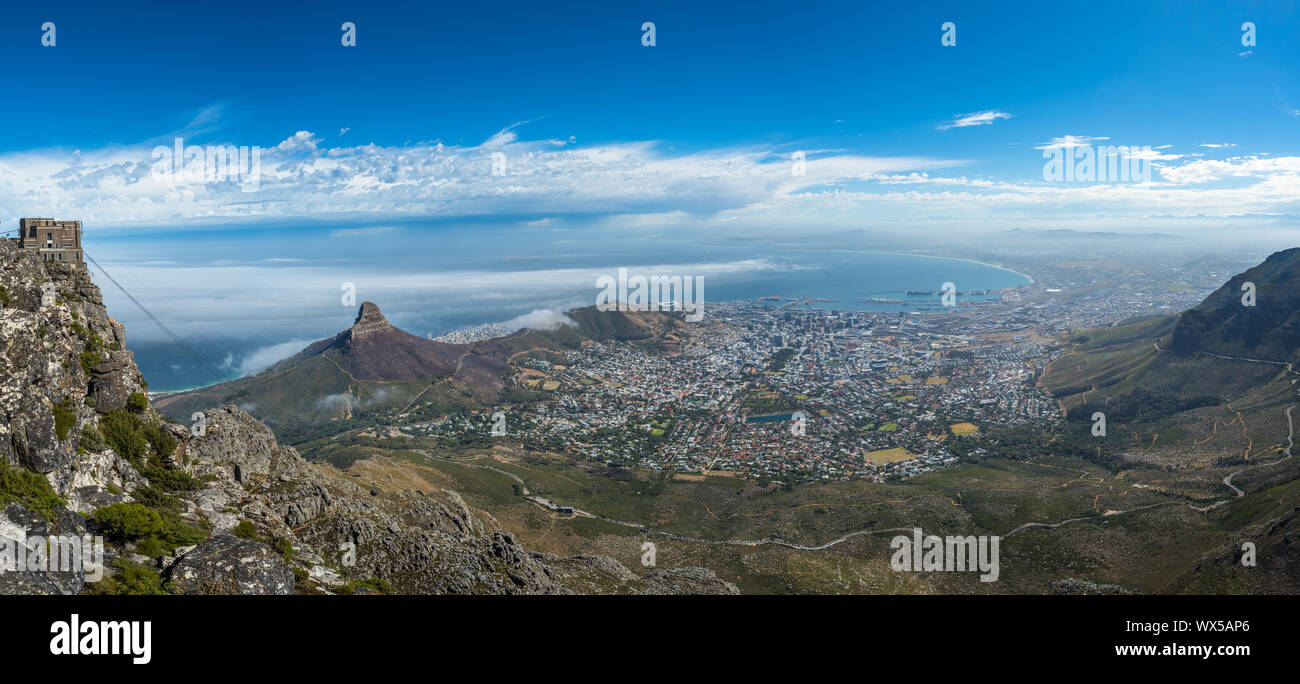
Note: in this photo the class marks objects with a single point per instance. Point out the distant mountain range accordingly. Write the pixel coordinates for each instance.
(1067, 233)
(373, 366)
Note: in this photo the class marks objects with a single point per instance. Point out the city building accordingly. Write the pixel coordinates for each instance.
(56, 240)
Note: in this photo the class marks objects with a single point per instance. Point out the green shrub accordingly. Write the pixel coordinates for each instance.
(178, 532)
(136, 579)
(158, 531)
(89, 359)
(160, 439)
(245, 530)
(128, 521)
(155, 498)
(92, 340)
(92, 439)
(137, 402)
(152, 547)
(4, 295)
(284, 547)
(64, 418)
(32, 490)
(122, 432)
(145, 445)
(170, 479)
(132, 579)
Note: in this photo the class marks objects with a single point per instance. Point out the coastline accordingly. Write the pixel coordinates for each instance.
(1000, 267)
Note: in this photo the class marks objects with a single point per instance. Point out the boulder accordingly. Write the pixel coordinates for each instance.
(19, 526)
(229, 565)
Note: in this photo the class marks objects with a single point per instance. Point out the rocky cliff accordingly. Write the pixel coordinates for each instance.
(219, 506)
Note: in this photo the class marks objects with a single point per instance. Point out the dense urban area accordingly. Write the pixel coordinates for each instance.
(777, 390)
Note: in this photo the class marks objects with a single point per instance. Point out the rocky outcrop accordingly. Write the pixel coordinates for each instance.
(60, 354)
(231, 445)
(408, 541)
(685, 581)
(28, 571)
(113, 380)
(228, 565)
(96, 479)
(370, 321)
(273, 522)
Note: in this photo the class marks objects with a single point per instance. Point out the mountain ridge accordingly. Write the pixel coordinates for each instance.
(1267, 329)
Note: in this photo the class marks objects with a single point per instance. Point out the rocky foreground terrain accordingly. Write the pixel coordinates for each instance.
(219, 507)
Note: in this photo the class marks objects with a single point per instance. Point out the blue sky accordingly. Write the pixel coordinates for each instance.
(376, 161)
(868, 77)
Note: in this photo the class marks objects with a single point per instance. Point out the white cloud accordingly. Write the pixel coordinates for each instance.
(983, 118)
(1273, 169)
(302, 176)
(332, 402)
(1151, 154)
(507, 135)
(541, 319)
(1070, 141)
(302, 141)
(265, 357)
(636, 184)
